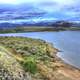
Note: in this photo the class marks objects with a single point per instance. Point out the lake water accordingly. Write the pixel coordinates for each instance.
(67, 41)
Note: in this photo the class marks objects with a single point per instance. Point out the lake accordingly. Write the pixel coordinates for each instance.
(67, 41)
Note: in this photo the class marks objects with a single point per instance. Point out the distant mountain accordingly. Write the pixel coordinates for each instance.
(8, 25)
(66, 24)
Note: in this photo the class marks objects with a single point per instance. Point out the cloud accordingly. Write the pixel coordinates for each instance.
(57, 4)
(60, 9)
(64, 2)
(72, 14)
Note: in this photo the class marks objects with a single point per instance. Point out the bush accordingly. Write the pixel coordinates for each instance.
(29, 64)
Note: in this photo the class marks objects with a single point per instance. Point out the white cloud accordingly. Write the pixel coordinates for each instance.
(56, 5)
(8, 1)
(65, 7)
(72, 13)
(58, 2)
(65, 2)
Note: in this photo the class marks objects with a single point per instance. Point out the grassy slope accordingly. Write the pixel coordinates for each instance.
(36, 57)
(9, 64)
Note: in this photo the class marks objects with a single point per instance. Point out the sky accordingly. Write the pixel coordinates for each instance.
(63, 9)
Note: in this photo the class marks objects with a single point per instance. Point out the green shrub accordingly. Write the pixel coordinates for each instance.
(29, 64)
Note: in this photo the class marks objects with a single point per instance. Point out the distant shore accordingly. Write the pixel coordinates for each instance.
(37, 29)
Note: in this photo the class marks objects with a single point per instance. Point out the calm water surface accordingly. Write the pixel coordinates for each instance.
(67, 41)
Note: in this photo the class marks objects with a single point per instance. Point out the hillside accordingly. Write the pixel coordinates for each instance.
(9, 67)
(32, 59)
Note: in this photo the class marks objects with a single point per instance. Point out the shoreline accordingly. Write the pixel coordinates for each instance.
(63, 60)
(65, 63)
(59, 59)
(67, 69)
(37, 29)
